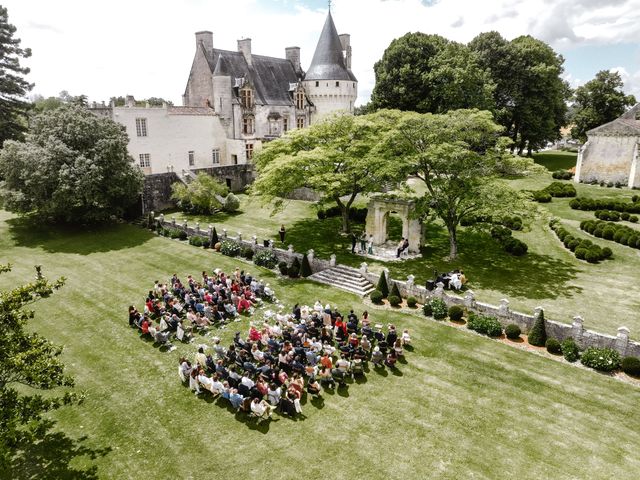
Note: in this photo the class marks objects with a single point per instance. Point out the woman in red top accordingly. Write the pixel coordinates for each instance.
(145, 326)
(342, 326)
(243, 306)
(254, 334)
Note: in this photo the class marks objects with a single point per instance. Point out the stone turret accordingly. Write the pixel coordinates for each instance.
(329, 82)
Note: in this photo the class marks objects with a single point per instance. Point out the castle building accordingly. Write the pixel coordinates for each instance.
(235, 101)
(611, 152)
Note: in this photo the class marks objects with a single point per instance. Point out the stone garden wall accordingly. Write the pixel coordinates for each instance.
(561, 331)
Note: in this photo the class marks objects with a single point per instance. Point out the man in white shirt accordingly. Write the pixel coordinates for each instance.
(260, 408)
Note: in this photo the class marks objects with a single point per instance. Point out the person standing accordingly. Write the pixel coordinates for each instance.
(370, 245)
(354, 240)
(363, 242)
(400, 247)
(282, 232)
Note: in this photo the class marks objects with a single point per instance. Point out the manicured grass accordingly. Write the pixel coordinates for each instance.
(462, 406)
(556, 160)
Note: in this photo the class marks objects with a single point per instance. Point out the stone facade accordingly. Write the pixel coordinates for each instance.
(611, 152)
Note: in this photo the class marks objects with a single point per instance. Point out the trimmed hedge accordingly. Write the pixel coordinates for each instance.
(427, 310)
(562, 175)
(438, 309)
(631, 366)
(603, 359)
(570, 350)
(358, 215)
(305, 267)
(394, 300)
(455, 313)
(612, 231)
(583, 249)
(553, 346)
(376, 296)
(489, 326)
(283, 267)
(538, 334)
(395, 291)
(247, 252)
(512, 331)
(383, 286)
(294, 269)
(593, 204)
(511, 245)
(412, 302)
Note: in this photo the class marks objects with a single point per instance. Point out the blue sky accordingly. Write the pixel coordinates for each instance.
(145, 47)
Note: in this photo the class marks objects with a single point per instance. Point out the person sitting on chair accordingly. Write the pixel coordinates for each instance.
(260, 408)
(377, 357)
(313, 387)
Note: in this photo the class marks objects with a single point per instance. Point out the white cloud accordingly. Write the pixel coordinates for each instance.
(631, 81)
(146, 47)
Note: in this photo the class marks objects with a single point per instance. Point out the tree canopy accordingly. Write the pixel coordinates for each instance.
(73, 167)
(599, 101)
(203, 195)
(337, 158)
(428, 73)
(13, 86)
(459, 156)
(28, 363)
(530, 95)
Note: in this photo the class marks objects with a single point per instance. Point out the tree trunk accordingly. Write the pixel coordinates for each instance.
(346, 223)
(453, 242)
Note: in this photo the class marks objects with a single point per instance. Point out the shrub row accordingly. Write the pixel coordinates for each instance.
(230, 248)
(512, 223)
(510, 244)
(614, 216)
(611, 231)
(199, 241)
(562, 175)
(583, 249)
(555, 189)
(435, 308)
(355, 214)
(592, 204)
(602, 183)
(265, 258)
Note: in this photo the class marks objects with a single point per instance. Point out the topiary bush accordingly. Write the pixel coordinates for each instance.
(570, 350)
(455, 313)
(395, 291)
(412, 302)
(182, 235)
(214, 237)
(553, 346)
(376, 296)
(383, 286)
(294, 268)
(603, 359)
(631, 366)
(283, 268)
(427, 310)
(394, 300)
(305, 267)
(438, 309)
(231, 203)
(267, 259)
(538, 334)
(512, 331)
(229, 248)
(247, 252)
(542, 196)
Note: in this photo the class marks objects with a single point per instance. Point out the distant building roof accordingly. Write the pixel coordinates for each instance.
(626, 124)
(328, 61)
(190, 111)
(269, 76)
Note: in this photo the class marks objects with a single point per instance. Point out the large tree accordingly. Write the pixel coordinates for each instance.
(13, 87)
(530, 94)
(428, 73)
(460, 157)
(73, 167)
(599, 101)
(29, 363)
(337, 158)
(205, 194)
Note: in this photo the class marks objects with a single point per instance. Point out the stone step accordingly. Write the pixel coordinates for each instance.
(345, 278)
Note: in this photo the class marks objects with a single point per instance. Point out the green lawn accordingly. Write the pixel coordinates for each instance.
(556, 160)
(462, 406)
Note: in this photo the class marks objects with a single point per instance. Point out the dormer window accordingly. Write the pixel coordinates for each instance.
(299, 100)
(246, 98)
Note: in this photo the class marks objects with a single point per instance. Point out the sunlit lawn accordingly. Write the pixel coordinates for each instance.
(462, 406)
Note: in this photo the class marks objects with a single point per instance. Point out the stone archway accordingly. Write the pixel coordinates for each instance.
(379, 209)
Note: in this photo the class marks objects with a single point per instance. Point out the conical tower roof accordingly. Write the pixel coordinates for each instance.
(328, 61)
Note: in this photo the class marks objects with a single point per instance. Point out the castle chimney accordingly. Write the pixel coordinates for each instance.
(244, 47)
(206, 38)
(293, 55)
(345, 41)
(130, 101)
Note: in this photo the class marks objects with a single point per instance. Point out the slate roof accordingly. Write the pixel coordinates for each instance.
(269, 76)
(626, 124)
(328, 61)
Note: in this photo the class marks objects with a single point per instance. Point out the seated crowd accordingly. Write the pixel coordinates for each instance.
(176, 308)
(296, 354)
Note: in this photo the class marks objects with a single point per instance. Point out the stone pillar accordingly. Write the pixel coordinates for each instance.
(210, 235)
(239, 236)
(439, 291)
(224, 233)
(577, 329)
(254, 239)
(536, 313)
(469, 299)
(271, 244)
(290, 249)
(410, 281)
(622, 340)
(503, 309)
(332, 260)
(197, 228)
(363, 267)
(184, 225)
(311, 255)
(173, 222)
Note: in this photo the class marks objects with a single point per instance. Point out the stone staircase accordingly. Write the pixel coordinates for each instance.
(345, 278)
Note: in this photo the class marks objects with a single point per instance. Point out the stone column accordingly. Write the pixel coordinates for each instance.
(173, 222)
(254, 239)
(332, 260)
(271, 244)
(622, 340)
(239, 236)
(410, 281)
(439, 291)
(224, 233)
(311, 255)
(197, 228)
(363, 267)
(577, 329)
(469, 299)
(184, 225)
(290, 249)
(503, 309)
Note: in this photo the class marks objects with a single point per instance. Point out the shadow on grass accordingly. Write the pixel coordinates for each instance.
(52, 456)
(83, 240)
